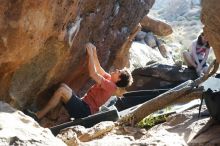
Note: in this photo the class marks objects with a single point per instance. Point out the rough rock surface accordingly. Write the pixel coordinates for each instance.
(141, 54)
(42, 42)
(19, 129)
(77, 134)
(208, 135)
(158, 75)
(211, 19)
(156, 26)
(185, 128)
(180, 129)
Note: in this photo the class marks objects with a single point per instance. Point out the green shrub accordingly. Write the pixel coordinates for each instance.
(151, 121)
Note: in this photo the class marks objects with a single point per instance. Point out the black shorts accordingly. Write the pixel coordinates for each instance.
(77, 108)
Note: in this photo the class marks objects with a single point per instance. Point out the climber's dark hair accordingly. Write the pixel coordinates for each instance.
(125, 78)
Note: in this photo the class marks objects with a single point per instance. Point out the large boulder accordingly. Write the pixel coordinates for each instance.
(42, 43)
(156, 26)
(158, 75)
(141, 54)
(19, 129)
(211, 19)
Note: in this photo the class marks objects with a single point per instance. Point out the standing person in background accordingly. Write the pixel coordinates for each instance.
(198, 54)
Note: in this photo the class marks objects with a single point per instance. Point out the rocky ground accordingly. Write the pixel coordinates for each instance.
(180, 129)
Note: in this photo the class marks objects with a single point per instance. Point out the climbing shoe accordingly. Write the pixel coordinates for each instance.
(31, 114)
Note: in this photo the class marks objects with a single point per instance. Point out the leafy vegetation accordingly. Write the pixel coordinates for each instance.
(155, 118)
(151, 121)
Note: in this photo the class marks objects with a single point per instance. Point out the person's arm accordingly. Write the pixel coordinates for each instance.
(205, 57)
(92, 68)
(99, 69)
(194, 55)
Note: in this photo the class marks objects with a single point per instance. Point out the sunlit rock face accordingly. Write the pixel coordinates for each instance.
(19, 129)
(141, 54)
(156, 26)
(42, 42)
(211, 19)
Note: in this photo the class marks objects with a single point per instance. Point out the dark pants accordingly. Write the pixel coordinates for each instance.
(77, 108)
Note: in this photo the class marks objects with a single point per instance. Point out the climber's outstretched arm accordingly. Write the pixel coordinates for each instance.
(93, 72)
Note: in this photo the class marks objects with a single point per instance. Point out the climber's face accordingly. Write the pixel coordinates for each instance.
(204, 39)
(115, 75)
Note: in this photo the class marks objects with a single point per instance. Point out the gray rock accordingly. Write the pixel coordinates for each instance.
(19, 129)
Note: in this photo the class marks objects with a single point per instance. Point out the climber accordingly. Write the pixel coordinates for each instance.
(198, 54)
(105, 86)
